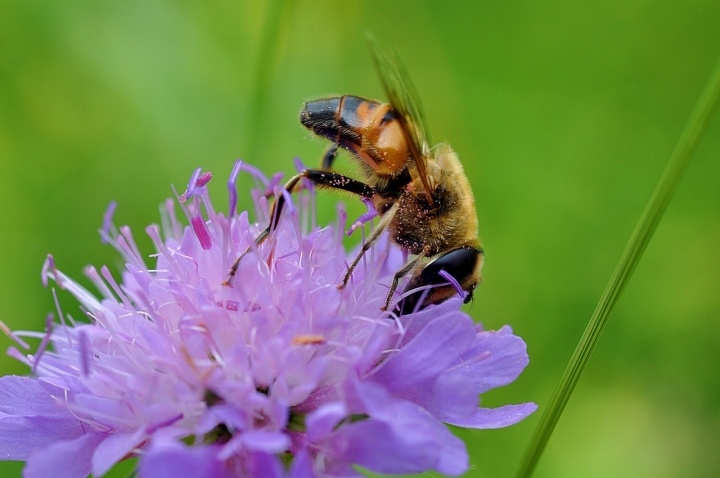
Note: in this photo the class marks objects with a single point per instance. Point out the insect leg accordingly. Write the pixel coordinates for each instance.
(402, 273)
(386, 218)
(319, 178)
(328, 157)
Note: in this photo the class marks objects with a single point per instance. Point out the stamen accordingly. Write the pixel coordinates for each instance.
(204, 179)
(80, 293)
(201, 232)
(61, 316)
(107, 222)
(300, 167)
(191, 186)
(107, 275)
(262, 207)
(368, 216)
(153, 232)
(135, 255)
(289, 203)
(17, 355)
(44, 342)
(232, 188)
(92, 274)
(12, 335)
(274, 181)
(341, 221)
(84, 353)
(308, 339)
(174, 224)
(255, 172)
(49, 264)
(453, 282)
(420, 302)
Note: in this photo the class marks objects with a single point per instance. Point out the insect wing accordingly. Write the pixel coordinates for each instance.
(401, 95)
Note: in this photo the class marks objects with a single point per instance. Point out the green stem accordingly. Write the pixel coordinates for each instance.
(698, 123)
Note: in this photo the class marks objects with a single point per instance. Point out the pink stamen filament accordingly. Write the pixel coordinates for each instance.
(368, 216)
(107, 222)
(232, 188)
(453, 282)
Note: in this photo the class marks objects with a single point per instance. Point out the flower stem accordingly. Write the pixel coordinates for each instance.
(698, 123)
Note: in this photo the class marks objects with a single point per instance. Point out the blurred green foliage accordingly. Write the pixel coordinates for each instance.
(563, 113)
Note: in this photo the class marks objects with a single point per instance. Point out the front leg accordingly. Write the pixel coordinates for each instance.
(382, 225)
(402, 273)
(322, 179)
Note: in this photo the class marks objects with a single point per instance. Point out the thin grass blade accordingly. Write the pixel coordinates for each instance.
(694, 130)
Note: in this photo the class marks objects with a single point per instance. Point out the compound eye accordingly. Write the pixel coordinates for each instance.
(459, 263)
(463, 264)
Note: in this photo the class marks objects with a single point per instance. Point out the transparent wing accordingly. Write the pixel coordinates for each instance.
(402, 96)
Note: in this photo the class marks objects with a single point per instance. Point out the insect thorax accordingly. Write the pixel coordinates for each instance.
(451, 222)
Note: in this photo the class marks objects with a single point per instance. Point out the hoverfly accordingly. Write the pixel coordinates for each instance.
(421, 194)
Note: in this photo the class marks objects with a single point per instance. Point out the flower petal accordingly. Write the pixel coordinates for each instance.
(263, 465)
(172, 459)
(113, 449)
(20, 436)
(30, 396)
(496, 360)
(265, 441)
(322, 421)
(302, 466)
(485, 418)
(399, 437)
(64, 459)
(432, 350)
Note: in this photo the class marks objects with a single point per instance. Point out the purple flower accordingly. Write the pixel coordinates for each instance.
(276, 374)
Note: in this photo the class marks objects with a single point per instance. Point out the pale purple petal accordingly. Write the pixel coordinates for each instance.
(414, 323)
(30, 396)
(113, 449)
(495, 360)
(404, 438)
(495, 417)
(20, 436)
(434, 348)
(265, 441)
(302, 466)
(64, 459)
(173, 459)
(377, 446)
(451, 394)
(232, 415)
(263, 465)
(322, 421)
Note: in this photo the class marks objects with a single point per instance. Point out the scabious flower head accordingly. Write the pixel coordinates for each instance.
(274, 372)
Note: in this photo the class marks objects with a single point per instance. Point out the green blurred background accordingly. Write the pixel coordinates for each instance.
(564, 114)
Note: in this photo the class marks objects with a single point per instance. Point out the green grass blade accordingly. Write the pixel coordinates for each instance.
(698, 123)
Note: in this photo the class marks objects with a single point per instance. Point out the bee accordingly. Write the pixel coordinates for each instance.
(421, 194)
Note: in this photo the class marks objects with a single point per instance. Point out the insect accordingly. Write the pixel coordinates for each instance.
(421, 194)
